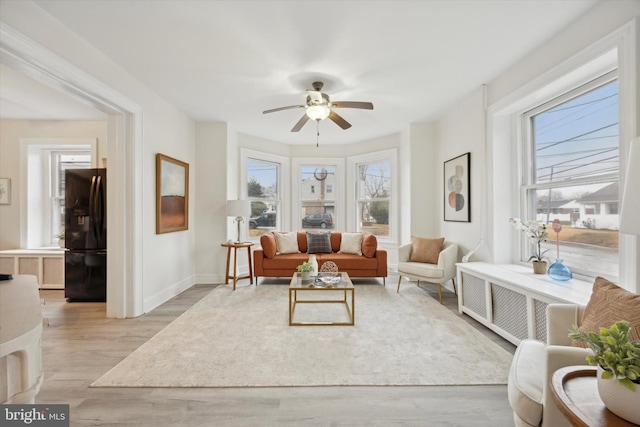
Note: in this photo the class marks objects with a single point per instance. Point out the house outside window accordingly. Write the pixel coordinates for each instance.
(570, 173)
(317, 203)
(263, 192)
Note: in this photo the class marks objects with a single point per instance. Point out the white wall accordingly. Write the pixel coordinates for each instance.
(210, 206)
(494, 196)
(165, 261)
(420, 184)
(460, 132)
(11, 131)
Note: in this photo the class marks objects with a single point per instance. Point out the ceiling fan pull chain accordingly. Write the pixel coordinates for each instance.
(317, 133)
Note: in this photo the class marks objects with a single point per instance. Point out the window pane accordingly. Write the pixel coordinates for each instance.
(262, 190)
(374, 217)
(262, 180)
(60, 162)
(588, 240)
(575, 143)
(578, 138)
(318, 204)
(374, 192)
(374, 180)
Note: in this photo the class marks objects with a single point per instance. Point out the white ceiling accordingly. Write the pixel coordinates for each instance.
(230, 60)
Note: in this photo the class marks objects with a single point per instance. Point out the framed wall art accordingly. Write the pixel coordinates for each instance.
(5, 191)
(172, 194)
(457, 189)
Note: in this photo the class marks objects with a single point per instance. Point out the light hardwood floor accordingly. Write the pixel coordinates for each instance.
(80, 344)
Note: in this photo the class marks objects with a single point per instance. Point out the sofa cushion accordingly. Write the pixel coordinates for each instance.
(369, 245)
(425, 250)
(608, 304)
(287, 243)
(349, 262)
(336, 238)
(318, 243)
(526, 381)
(351, 243)
(269, 246)
(302, 241)
(285, 262)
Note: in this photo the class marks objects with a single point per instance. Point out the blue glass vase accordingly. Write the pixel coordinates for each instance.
(560, 272)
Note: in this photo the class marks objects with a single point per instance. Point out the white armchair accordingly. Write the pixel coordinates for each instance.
(534, 363)
(439, 273)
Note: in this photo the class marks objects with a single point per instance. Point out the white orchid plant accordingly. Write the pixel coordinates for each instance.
(535, 232)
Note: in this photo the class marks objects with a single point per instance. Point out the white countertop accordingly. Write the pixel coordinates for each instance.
(51, 251)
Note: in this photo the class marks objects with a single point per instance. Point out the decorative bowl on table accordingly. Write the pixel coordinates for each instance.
(329, 279)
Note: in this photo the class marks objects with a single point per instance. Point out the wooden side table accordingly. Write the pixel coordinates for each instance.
(235, 247)
(576, 393)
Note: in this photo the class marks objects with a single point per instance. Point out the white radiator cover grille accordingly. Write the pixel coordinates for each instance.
(508, 308)
(473, 294)
(540, 310)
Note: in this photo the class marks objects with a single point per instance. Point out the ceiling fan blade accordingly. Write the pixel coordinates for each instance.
(300, 123)
(282, 108)
(353, 104)
(339, 120)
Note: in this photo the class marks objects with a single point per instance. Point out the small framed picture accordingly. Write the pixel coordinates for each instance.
(5, 191)
(172, 194)
(457, 189)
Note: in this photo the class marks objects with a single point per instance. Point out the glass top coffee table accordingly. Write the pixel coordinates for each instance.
(342, 292)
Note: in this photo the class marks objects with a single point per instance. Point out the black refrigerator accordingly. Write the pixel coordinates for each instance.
(85, 210)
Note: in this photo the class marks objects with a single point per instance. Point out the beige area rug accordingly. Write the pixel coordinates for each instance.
(242, 339)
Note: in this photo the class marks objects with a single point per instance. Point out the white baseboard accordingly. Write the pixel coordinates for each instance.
(166, 294)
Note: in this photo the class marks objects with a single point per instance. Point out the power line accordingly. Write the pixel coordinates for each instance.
(575, 137)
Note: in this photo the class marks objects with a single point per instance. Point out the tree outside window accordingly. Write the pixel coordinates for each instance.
(262, 191)
(374, 195)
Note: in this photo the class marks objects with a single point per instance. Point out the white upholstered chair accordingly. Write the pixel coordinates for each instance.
(534, 363)
(439, 273)
(20, 340)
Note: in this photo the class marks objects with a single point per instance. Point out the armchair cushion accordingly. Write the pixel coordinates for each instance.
(608, 304)
(525, 384)
(425, 249)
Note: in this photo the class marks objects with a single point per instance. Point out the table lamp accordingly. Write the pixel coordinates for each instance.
(630, 206)
(238, 209)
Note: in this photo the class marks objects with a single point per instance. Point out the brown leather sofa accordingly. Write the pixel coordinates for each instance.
(268, 263)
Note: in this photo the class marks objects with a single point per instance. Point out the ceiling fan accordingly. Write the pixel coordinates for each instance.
(319, 107)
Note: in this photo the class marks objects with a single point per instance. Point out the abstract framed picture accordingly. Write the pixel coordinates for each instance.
(457, 189)
(5, 191)
(172, 194)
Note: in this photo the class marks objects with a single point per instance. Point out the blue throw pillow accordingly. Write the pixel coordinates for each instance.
(318, 243)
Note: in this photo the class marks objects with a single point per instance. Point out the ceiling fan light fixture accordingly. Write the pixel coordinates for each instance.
(318, 112)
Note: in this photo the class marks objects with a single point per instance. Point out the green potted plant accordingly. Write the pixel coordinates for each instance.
(305, 269)
(618, 362)
(60, 237)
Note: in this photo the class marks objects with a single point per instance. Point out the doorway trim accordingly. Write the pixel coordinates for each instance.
(124, 153)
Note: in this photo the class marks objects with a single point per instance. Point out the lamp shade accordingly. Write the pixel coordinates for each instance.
(630, 209)
(237, 208)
